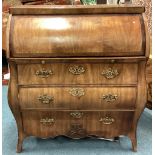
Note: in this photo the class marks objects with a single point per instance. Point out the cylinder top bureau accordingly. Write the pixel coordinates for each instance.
(77, 71)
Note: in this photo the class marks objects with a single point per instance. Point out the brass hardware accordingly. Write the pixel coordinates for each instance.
(110, 73)
(76, 114)
(44, 73)
(47, 121)
(43, 62)
(107, 120)
(76, 70)
(109, 98)
(77, 92)
(45, 99)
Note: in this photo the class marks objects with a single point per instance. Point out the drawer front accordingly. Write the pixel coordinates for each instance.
(109, 124)
(45, 124)
(73, 73)
(78, 98)
(77, 124)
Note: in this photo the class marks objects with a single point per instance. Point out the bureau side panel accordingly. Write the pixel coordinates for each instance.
(141, 101)
(14, 104)
(13, 94)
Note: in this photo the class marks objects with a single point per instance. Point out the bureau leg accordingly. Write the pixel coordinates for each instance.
(20, 142)
(133, 141)
(134, 144)
(19, 146)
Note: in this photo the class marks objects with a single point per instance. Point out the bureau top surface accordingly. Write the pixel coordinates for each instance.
(76, 9)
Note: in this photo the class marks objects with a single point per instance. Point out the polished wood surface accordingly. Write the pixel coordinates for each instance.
(78, 79)
(121, 125)
(90, 123)
(147, 46)
(78, 9)
(77, 38)
(93, 98)
(14, 104)
(92, 73)
(51, 2)
(141, 101)
(149, 83)
(7, 37)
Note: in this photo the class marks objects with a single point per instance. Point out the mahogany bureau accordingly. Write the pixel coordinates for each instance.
(77, 71)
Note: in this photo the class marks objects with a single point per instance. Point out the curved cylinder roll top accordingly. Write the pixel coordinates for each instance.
(76, 31)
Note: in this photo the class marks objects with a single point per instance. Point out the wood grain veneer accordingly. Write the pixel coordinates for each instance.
(78, 9)
(85, 77)
(92, 98)
(91, 75)
(89, 122)
(77, 38)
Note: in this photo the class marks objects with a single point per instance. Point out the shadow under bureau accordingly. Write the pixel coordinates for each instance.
(77, 71)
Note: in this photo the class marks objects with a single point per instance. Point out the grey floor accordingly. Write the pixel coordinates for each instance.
(65, 146)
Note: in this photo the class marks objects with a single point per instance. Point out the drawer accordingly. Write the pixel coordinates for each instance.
(78, 98)
(45, 124)
(77, 124)
(109, 124)
(75, 73)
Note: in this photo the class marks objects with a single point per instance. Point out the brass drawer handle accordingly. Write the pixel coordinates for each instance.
(76, 114)
(107, 120)
(77, 92)
(45, 99)
(76, 70)
(110, 73)
(109, 98)
(47, 121)
(44, 73)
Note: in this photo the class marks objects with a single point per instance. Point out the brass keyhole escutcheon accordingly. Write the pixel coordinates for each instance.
(76, 114)
(76, 69)
(77, 92)
(110, 73)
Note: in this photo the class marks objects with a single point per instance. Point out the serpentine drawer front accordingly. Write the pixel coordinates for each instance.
(84, 73)
(49, 123)
(77, 71)
(78, 98)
